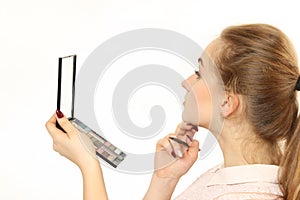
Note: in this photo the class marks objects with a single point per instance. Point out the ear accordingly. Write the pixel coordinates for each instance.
(230, 105)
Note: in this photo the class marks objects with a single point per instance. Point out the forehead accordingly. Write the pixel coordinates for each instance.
(209, 52)
(209, 71)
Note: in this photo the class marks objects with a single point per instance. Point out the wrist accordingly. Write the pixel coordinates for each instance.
(89, 165)
(166, 179)
(161, 187)
(167, 176)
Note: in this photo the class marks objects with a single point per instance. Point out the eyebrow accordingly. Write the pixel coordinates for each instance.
(200, 61)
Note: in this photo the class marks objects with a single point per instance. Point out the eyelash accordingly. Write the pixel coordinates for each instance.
(198, 74)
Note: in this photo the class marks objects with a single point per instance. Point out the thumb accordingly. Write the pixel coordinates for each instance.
(65, 124)
(193, 149)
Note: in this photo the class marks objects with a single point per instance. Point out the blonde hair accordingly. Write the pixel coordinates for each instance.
(258, 61)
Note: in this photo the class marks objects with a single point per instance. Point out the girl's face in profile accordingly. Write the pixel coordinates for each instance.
(198, 99)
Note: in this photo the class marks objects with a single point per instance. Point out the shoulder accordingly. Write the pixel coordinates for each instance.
(251, 181)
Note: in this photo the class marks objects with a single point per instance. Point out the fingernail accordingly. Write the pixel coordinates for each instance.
(59, 114)
(173, 154)
(189, 138)
(179, 153)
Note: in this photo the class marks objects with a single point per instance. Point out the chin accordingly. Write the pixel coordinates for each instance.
(188, 119)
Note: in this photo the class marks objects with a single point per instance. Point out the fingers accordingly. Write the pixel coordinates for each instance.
(191, 155)
(166, 144)
(186, 131)
(55, 132)
(194, 147)
(57, 135)
(51, 127)
(163, 144)
(183, 127)
(172, 145)
(176, 148)
(189, 126)
(178, 128)
(65, 123)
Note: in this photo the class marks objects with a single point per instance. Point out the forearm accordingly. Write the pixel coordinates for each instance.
(161, 188)
(93, 182)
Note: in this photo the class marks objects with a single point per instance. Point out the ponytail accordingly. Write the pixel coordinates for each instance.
(290, 166)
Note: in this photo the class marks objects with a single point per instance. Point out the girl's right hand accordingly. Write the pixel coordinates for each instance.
(71, 144)
(169, 163)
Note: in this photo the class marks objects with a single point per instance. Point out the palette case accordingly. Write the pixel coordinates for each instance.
(104, 149)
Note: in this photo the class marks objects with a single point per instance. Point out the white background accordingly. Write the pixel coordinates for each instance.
(33, 34)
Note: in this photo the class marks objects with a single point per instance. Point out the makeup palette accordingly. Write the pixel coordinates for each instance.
(104, 149)
(65, 102)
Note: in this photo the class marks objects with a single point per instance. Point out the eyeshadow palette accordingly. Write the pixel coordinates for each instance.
(104, 149)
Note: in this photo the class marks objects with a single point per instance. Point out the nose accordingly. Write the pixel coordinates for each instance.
(189, 82)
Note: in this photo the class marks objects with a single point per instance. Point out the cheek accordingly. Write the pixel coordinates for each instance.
(197, 109)
(203, 99)
(190, 112)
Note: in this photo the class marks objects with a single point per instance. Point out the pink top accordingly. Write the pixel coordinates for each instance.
(256, 181)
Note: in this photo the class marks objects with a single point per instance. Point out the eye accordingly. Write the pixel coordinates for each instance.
(198, 74)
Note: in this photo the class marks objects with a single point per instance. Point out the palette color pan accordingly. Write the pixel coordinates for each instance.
(104, 149)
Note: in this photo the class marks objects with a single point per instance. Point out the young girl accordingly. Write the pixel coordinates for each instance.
(252, 111)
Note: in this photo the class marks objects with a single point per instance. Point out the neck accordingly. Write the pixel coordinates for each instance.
(241, 146)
